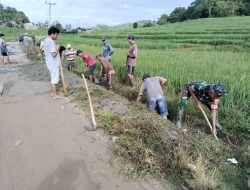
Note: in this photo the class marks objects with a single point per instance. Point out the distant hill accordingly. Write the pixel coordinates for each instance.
(126, 25)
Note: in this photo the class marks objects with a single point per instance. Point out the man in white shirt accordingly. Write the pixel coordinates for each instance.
(27, 42)
(51, 52)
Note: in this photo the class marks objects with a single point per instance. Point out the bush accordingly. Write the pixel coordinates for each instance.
(9, 24)
(135, 25)
(148, 24)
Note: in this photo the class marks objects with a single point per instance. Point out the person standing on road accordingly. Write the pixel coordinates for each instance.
(4, 50)
(89, 62)
(107, 70)
(107, 49)
(131, 59)
(155, 97)
(27, 42)
(202, 93)
(51, 52)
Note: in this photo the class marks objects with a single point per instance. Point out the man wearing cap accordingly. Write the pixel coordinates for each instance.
(108, 70)
(89, 62)
(107, 49)
(70, 53)
(131, 59)
(155, 96)
(27, 42)
(4, 50)
(202, 93)
(51, 52)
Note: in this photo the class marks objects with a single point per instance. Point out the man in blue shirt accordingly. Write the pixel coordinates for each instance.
(107, 49)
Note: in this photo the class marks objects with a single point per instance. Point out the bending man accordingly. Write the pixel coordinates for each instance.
(203, 93)
(155, 97)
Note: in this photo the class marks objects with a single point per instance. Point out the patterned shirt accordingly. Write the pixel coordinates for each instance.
(132, 55)
(70, 53)
(202, 91)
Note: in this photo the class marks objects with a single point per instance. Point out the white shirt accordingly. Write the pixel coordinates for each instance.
(26, 40)
(49, 48)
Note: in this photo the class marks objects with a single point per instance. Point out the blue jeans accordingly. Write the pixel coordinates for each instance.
(159, 104)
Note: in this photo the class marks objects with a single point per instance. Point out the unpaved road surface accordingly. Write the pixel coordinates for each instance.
(43, 145)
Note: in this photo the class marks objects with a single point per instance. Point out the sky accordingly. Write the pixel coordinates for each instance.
(88, 13)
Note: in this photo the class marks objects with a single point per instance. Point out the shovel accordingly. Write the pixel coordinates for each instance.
(1, 88)
(97, 80)
(87, 124)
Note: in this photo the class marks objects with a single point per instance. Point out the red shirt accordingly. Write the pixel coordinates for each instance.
(89, 61)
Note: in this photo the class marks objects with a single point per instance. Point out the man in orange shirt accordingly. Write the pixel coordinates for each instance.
(107, 69)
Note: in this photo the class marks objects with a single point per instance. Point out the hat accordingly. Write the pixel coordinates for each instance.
(68, 46)
(131, 37)
(145, 76)
(219, 89)
(78, 51)
(103, 38)
(26, 34)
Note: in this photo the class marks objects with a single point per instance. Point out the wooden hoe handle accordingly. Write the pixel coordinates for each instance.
(208, 122)
(90, 102)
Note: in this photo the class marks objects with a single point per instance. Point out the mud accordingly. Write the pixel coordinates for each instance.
(114, 106)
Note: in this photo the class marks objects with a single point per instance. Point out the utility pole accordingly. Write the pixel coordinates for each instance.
(50, 4)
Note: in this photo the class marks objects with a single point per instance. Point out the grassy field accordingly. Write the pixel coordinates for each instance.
(215, 50)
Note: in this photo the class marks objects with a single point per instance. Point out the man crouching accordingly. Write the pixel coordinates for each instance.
(107, 70)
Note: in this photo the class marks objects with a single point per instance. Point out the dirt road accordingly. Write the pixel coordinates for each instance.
(43, 145)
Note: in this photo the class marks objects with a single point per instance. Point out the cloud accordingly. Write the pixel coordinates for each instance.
(125, 6)
(89, 13)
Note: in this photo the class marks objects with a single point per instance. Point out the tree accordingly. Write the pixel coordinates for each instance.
(1, 6)
(147, 24)
(245, 8)
(177, 15)
(20, 18)
(163, 19)
(11, 15)
(222, 9)
(135, 25)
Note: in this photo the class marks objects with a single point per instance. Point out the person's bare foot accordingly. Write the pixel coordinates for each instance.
(57, 96)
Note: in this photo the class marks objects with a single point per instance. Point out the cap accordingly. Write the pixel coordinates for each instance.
(78, 51)
(26, 34)
(103, 38)
(68, 46)
(131, 37)
(219, 89)
(2, 34)
(145, 76)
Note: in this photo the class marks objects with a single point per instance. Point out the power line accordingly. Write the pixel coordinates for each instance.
(50, 4)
